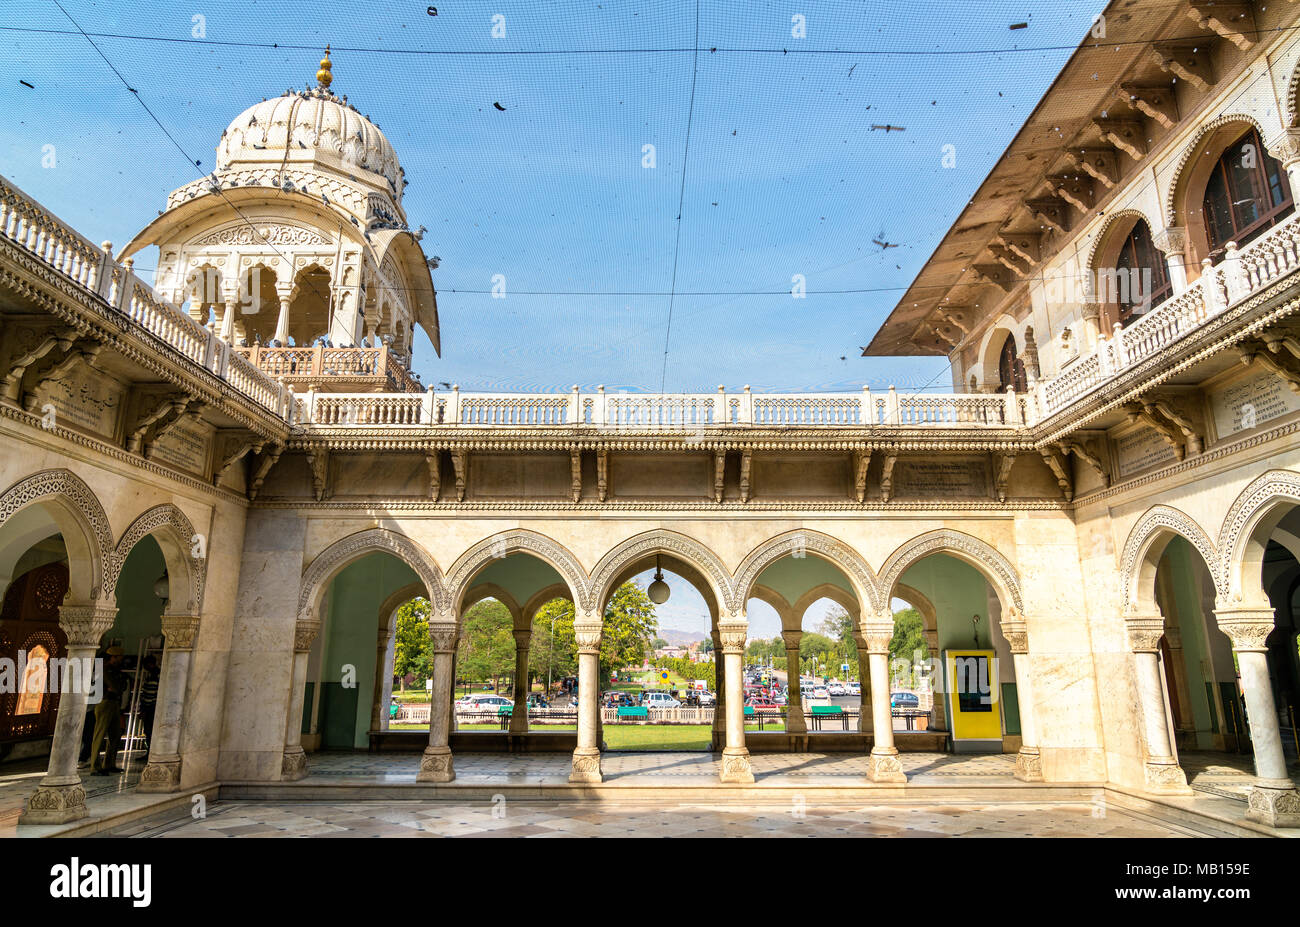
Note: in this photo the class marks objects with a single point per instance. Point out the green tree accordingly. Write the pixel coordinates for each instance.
(412, 654)
(553, 656)
(908, 638)
(658, 644)
(487, 643)
(629, 627)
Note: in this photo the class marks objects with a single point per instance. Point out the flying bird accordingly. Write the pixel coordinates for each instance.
(499, 106)
(884, 245)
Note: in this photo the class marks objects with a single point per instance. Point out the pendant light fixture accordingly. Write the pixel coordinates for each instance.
(658, 590)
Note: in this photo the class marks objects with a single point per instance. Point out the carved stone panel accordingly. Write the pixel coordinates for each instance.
(941, 478)
(1250, 402)
(186, 446)
(84, 399)
(1140, 450)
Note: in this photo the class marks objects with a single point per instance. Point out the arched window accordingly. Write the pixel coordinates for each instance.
(1140, 274)
(1011, 369)
(1246, 194)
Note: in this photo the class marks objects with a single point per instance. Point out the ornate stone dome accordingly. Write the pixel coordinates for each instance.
(313, 119)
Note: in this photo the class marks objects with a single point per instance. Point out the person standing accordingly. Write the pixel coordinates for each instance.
(108, 714)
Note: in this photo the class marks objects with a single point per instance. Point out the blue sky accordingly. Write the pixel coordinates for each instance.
(783, 174)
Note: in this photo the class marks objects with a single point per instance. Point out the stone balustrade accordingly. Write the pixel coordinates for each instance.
(260, 373)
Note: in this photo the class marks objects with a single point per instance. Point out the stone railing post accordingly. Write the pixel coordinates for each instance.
(436, 764)
(1172, 242)
(735, 755)
(867, 411)
(519, 715)
(163, 771)
(883, 765)
(794, 720)
(574, 414)
(1273, 799)
(60, 797)
(1234, 279)
(1162, 772)
(1029, 765)
(294, 764)
(1012, 407)
(891, 406)
(586, 756)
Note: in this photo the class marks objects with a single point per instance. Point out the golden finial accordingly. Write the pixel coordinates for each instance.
(323, 76)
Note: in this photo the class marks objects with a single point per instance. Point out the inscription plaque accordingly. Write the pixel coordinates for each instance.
(1250, 402)
(185, 447)
(1142, 450)
(84, 399)
(966, 478)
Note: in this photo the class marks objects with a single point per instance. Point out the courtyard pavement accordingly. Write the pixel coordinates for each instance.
(669, 794)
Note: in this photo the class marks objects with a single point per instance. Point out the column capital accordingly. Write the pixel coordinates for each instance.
(588, 632)
(84, 625)
(792, 639)
(522, 638)
(733, 634)
(877, 632)
(1247, 628)
(304, 633)
(1285, 146)
(442, 635)
(1016, 633)
(1144, 632)
(1170, 240)
(180, 631)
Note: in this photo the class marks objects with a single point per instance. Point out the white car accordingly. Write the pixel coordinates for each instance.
(821, 692)
(854, 688)
(835, 689)
(660, 700)
(483, 703)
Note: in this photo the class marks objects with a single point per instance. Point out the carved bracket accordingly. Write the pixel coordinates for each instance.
(1060, 468)
(1101, 164)
(459, 459)
(861, 463)
(1189, 61)
(1002, 464)
(746, 460)
(266, 460)
(887, 477)
(318, 460)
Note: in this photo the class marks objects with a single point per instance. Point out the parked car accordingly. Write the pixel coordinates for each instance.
(483, 703)
(821, 692)
(660, 700)
(854, 688)
(835, 689)
(708, 699)
(764, 705)
(904, 700)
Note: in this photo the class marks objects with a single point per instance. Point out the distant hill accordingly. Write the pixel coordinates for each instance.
(680, 638)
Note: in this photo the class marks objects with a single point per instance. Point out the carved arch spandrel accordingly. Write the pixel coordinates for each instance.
(979, 554)
(178, 539)
(668, 542)
(1247, 511)
(373, 540)
(76, 500)
(836, 552)
(1138, 566)
(518, 540)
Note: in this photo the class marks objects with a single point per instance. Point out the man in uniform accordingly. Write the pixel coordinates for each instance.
(108, 714)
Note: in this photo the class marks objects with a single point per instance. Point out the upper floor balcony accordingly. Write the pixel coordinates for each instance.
(360, 369)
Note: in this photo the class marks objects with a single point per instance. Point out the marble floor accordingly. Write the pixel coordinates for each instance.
(593, 818)
(834, 801)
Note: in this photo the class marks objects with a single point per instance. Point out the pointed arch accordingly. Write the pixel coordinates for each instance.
(373, 540)
(517, 540)
(1146, 544)
(996, 568)
(81, 520)
(179, 541)
(801, 540)
(661, 540)
(1246, 527)
(1120, 218)
(1176, 195)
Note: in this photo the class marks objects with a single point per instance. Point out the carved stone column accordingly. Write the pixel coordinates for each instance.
(1273, 799)
(436, 764)
(794, 720)
(163, 771)
(735, 755)
(865, 722)
(1163, 774)
(1029, 765)
(294, 765)
(379, 706)
(1092, 323)
(1285, 146)
(59, 797)
(1178, 666)
(883, 765)
(586, 756)
(519, 716)
(281, 339)
(938, 706)
(720, 693)
(1173, 242)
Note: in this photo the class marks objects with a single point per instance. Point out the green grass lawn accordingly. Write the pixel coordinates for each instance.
(628, 737)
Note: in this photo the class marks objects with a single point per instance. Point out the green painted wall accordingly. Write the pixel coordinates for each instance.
(958, 591)
(791, 577)
(351, 631)
(139, 611)
(521, 575)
